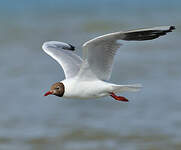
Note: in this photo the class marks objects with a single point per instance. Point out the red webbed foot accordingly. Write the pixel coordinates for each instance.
(118, 98)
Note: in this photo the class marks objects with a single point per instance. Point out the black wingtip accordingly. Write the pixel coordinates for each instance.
(172, 28)
(71, 47)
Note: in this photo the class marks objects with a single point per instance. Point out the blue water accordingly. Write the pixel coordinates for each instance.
(29, 121)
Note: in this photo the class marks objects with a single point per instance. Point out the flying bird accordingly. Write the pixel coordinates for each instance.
(87, 77)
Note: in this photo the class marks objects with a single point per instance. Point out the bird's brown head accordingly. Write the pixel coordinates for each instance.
(57, 89)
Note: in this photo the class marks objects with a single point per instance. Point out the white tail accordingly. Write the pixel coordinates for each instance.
(124, 88)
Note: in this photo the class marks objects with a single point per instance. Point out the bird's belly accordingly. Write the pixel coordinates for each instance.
(86, 94)
(86, 90)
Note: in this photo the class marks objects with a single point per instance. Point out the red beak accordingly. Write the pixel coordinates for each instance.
(48, 93)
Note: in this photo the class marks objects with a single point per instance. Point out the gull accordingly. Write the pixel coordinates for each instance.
(87, 77)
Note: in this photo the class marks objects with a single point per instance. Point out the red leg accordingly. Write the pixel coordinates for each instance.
(118, 98)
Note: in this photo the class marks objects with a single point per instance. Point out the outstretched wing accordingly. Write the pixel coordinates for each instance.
(100, 51)
(62, 53)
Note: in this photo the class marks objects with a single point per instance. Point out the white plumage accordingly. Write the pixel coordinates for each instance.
(84, 77)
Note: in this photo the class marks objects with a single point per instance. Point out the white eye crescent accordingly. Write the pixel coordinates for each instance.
(58, 87)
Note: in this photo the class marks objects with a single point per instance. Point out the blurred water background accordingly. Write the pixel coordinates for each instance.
(29, 121)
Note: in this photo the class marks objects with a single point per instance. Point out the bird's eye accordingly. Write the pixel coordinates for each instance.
(58, 88)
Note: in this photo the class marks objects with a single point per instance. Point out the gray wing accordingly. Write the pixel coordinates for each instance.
(62, 53)
(100, 51)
